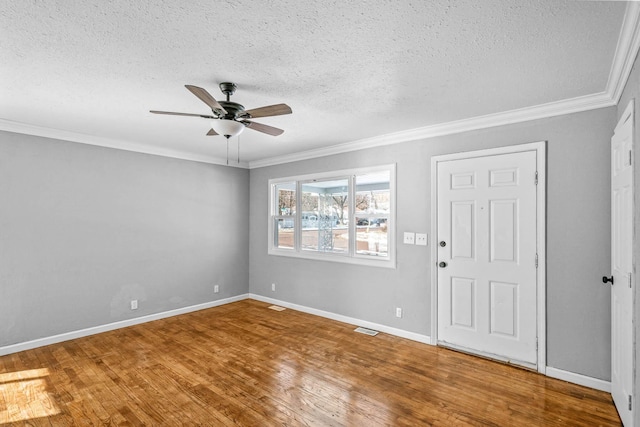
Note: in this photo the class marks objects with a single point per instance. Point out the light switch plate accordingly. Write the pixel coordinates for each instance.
(409, 238)
(422, 239)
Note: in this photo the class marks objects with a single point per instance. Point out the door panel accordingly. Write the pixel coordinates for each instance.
(462, 238)
(487, 292)
(505, 177)
(462, 302)
(503, 230)
(504, 309)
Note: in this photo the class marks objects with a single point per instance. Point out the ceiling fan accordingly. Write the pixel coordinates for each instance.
(230, 118)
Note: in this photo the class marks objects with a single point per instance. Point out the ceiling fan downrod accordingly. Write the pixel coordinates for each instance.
(228, 89)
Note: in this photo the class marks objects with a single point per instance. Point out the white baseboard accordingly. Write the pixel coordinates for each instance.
(345, 319)
(14, 348)
(571, 377)
(579, 379)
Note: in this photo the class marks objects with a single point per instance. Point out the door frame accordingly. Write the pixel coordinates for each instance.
(540, 149)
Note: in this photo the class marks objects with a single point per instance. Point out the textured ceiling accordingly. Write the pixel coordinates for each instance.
(350, 70)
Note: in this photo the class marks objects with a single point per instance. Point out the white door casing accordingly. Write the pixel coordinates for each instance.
(622, 266)
(487, 216)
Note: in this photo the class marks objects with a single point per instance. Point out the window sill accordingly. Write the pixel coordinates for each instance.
(329, 257)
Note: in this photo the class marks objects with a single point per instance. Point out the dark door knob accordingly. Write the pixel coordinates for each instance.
(442, 264)
(606, 279)
(443, 243)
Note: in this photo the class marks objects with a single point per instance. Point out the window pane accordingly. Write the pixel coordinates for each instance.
(372, 193)
(371, 236)
(324, 216)
(286, 196)
(284, 220)
(284, 236)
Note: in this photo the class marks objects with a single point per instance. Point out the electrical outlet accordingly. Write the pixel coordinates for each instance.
(134, 304)
(409, 238)
(216, 289)
(273, 287)
(398, 312)
(421, 239)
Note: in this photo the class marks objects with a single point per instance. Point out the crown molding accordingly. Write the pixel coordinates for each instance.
(626, 51)
(119, 144)
(552, 109)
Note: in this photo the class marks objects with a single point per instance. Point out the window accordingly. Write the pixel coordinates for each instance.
(284, 218)
(344, 216)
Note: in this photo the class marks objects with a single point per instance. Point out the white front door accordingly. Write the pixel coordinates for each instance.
(486, 255)
(622, 267)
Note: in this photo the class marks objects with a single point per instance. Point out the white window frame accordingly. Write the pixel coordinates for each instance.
(351, 257)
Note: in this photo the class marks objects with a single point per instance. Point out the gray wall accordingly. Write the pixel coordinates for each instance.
(85, 229)
(578, 238)
(632, 91)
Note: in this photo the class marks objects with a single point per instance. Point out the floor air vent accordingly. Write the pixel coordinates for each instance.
(366, 331)
(277, 308)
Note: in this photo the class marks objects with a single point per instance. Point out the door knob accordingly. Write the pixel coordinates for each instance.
(442, 264)
(443, 243)
(606, 279)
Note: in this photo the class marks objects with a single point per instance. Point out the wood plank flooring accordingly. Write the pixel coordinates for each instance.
(242, 364)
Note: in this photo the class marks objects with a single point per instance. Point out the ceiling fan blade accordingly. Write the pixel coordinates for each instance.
(212, 133)
(205, 97)
(271, 110)
(269, 130)
(182, 114)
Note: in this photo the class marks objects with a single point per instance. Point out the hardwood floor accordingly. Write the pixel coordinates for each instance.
(243, 364)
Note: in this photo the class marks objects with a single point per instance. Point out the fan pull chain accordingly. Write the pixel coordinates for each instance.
(226, 136)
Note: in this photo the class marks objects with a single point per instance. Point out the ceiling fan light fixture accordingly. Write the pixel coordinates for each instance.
(227, 127)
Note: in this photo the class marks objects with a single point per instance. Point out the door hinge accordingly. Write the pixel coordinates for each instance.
(629, 157)
(629, 280)
(536, 179)
(629, 402)
(536, 260)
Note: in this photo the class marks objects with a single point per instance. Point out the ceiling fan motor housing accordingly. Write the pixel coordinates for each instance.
(234, 110)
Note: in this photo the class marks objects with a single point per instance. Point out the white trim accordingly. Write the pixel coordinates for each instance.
(334, 257)
(626, 115)
(118, 144)
(40, 342)
(434, 252)
(540, 149)
(345, 319)
(552, 109)
(579, 379)
(541, 236)
(626, 52)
